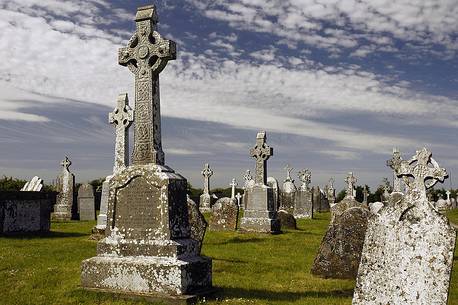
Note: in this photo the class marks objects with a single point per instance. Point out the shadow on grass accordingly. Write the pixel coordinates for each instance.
(51, 234)
(230, 260)
(280, 296)
(237, 240)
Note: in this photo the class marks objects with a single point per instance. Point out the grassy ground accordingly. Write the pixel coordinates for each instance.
(248, 268)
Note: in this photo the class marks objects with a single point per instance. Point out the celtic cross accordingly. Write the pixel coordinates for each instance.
(392, 163)
(238, 197)
(233, 185)
(121, 117)
(305, 176)
(66, 164)
(261, 152)
(351, 181)
(146, 55)
(207, 173)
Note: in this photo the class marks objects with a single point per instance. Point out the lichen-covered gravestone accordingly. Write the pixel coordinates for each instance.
(287, 220)
(224, 215)
(340, 250)
(260, 214)
(197, 222)
(303, 208)
(273, 183)
(408, 250)
(205, 198)
(86, 202)
(288, 192)
(64, 201)
(148, 250)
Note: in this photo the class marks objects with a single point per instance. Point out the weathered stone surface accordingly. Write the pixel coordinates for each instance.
(273, 183)
(102, 217)
(287, 220)
(319, 202)
(340, 251)
(197, 222)
(331, 193)
(443, 205)
(288, 192)
(86, 202)
(205, 199)
(34, 185)
(303, 207)
(408, 250)
(224, 215)
(340, 207)
(64, 202)
(374, 207)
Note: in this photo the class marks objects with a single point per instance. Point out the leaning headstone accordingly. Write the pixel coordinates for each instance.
(205, 199)
(260, 214)
(64, 201)
(197, 222)
(86, 202)
(287, 220)
(224, 215)
(288, 192)
(273, 183)
(148, 251)
(408, 250)
(34, 185)
(303, 208)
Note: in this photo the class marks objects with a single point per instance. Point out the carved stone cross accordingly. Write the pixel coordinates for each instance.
(238, 197)
(146, 55)
(233, 185)
(305, 176)
(66, 164)
(261, 152)
(288, 169)
(448, 193)
(207, 173)
(394, 162)
(351, 181)
(121, 117)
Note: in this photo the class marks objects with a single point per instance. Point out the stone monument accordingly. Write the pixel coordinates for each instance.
(238, 197)
(224, 215)
(260, 214)
(273, 183)
(233, 185)
(148, 250)
(34, 185)
(288, 192)
(205, 199)
(303, 207)
(409, 246)
(86, 202)
(197, 222)
(365, 196)
(392, 163)
(249, 183)
(331, 193)
(65, 186)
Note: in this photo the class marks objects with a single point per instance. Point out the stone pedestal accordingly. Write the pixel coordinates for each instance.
(205, 203)
(260, 215)
(147, 249)
(304, 205)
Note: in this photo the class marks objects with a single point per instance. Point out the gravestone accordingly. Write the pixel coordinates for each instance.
(99, 229)
(303, 207)
(260, 214)
(205, 199)
(148, 250)
(365, 195)
(197, 222)
(224, 215)
(443, 205)
(287, 220)
(319, 204)
(238, 197)
(288, 192)
(408, 250)
(34, 185)
(331, 193)
(392, 163)
(273, 183)
(340, 250)
(86, 202)
(64, 201)
(233, 185)
(249, 183)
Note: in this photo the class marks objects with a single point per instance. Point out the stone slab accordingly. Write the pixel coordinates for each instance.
(197, 222)
(224, 215)
(303, 209)
(287, 220)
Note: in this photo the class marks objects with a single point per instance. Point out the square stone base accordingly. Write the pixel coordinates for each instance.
(147, 276)
(260, 221)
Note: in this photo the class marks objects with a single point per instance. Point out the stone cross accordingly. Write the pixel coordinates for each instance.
(288, 169)
(448, 196)
(121, 117)
(422, 175)
(233, 185)
(146, 55)
(261, 152)
(365, 194)
(66, 164)
(305, 176)
(247, 178)
(351, 181)
(392, 163)
(238, 197)
(207, 173)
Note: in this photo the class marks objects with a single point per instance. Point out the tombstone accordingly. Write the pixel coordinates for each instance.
(197, 223)
(34, 185)
(233, 185)
(341, 247)
(205, 199)
(331, 193)
(319, 204)
(374, 207)
(287, 220)
(365, 195)
(64, 201)
(443, 205)
(86, 202)
(409, 246)
(99, 229)
(303, 207)
(238, 197)
(249, 183)
(148, 250)
(273, 183)
(224, 215)
(392, 163)
(288, 192)
(260, 214)
(453, 203)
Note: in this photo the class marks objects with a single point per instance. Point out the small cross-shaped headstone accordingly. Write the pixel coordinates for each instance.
(238, 197)
(392, 163)
(121, 117)
(351, 181)
(448, 193)
(207, 173)
(305, 176)
(261, 152)
(233, 185)
(365, 194)
(66, 164)
(288, 169)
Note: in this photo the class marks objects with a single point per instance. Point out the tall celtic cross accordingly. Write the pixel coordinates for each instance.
(121, 117)
(305, 176)
(288, 169)
(207, 173)
(146, 55)
(66, 164)
(392, 163)
(261, 152)
(351, 181)
(419, 175)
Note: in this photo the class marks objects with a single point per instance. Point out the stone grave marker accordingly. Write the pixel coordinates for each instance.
(86, 202)
(64, 201)
(303, 207)
(148, 251)
(197, 222)
(365, 196)
(288, 192)
(392, 163)
(331, 193)
(287, 220)
(238, 197)
(248, 184)
(34, 185)
(205, 199)
(224, 215)
(233, 185)
(273, 183)
(409, 246)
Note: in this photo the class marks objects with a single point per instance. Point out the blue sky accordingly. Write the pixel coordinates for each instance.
(336, 85)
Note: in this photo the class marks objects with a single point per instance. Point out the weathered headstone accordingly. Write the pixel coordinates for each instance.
(233, 185)
(197, 222)
(260, 214)
(205, 199)
(365, 195)
(238, 197)
(249, 183)
(64, 201)
(331, 193)
(408, 250)
(148, 250)
(34, 185)
(273, 183)
(287, 220)
(99, 229)
(86, 202)
(443, 205)
(288, 192)
(392, 163)
(224, 215)
(303, 207)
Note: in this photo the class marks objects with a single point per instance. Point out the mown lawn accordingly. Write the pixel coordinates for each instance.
(247, 268)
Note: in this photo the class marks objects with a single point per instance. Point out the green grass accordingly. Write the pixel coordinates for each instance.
(247, 268)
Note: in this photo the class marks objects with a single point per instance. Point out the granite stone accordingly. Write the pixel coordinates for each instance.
(197, 223)
(224, 215)
(287, 220)
(86, 202)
